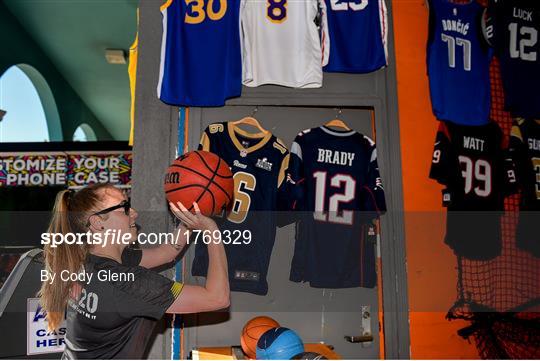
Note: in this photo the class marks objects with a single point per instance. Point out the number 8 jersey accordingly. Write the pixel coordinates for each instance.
(338, 189)
(471, 161)
(458, 59)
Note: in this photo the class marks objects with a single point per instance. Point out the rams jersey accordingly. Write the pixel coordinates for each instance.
(339, 191)
(516, 28)
(458, 59)
(201, 62)
(281, 42)
(473, 165)
(258, 162)
(525, 150)
(358, 32)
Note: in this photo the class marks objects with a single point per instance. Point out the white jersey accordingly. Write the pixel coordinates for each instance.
(282, 44)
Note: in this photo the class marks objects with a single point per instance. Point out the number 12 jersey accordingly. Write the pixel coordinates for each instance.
(338, 189)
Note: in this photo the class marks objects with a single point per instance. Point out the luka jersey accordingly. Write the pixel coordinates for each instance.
(516, 28)
(358, 32)
(200, 52)
(458, 59)
(258, 162)
(472, 162)
(339, 192)
(282, 44)
(525, 150)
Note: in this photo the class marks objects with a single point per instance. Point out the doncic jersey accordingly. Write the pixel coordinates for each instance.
(258, 163)
(201, 62)
(358, 32)
(525, 151)
(281, 42)
(471, 161)
(339, 190)
(516, 28)
(458, 59)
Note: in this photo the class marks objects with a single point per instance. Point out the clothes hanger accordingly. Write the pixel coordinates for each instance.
(250, 120)
(338, 123)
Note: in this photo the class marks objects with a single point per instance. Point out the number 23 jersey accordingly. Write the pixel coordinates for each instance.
(337, 183)
(258, 163)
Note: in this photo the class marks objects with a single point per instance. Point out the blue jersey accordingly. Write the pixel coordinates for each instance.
(458, 59)
(337, 183)
(358, 31)
(258, 163)
(201, 61)
(516, 28)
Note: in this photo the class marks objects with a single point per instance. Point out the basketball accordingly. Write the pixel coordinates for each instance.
(252, 331)
(279, 344)
(200, 177)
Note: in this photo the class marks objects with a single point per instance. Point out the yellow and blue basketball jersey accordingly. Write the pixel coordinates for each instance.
(258, 163)
(201, 62)
(458, 59)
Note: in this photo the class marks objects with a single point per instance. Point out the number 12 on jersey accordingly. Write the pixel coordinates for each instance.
(332, 213)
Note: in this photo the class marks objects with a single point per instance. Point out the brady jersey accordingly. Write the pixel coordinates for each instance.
(525, 151)
(282, 44)
(358, 32)
(201, 62)
(458, 59)
(258, 163)
(336, 182)
(473, 165)
(516, 28)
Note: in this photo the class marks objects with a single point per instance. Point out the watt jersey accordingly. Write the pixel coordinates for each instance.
(201, 61)
(516, 28)
(473, 165)
(525, 150)
(458, 59)
(358, 32)
(258, 162)
(337, 183)
(282, 44)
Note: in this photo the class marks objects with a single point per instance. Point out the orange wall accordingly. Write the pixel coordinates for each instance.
(430, 264)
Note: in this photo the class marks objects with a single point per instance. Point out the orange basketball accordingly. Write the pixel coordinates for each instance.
(252, 331)
(200, 177)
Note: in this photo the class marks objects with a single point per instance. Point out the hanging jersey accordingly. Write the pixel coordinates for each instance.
(358, 32)
(458, 59)
(132, 72)
(516, 28)
(337, 183)
(258, 162)
(525, 150)
(200, 52)
(281, 42)
(471, 162)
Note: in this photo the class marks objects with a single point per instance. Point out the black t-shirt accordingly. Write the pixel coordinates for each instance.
(525, 151)
(472, 162)
(116, 311)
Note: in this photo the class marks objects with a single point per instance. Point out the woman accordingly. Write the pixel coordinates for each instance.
(112, 316)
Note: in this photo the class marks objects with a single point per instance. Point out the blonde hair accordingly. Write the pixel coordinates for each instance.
(70, 215)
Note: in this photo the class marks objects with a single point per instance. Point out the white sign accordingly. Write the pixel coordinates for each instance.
(39, 339)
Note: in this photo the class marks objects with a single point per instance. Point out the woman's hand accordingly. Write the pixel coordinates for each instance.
(190, 220)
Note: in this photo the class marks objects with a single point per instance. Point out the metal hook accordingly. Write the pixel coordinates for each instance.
(338, 113)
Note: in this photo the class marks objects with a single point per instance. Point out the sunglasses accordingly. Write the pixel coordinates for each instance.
(125, 204)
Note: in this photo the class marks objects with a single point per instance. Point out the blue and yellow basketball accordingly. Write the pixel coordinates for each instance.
(279, 343)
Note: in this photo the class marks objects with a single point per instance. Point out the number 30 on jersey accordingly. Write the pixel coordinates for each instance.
(198, 10)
